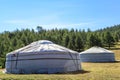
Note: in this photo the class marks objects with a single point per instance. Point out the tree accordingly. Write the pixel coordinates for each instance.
(79, 43)
(72, 41)
(40, 29)
(66, 40)
(93, 40)
(116, 36)
(70, 45)
(88, 30)
(109, 39)
(72, 30)
(2, 62)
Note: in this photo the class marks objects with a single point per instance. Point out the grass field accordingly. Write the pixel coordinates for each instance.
(116, 50)
(92, 71)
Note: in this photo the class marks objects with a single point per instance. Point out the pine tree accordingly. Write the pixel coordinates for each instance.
(39, 29)
(66, 40)
(79, 43)
(70, 45)
(109, 39)
(93, 40)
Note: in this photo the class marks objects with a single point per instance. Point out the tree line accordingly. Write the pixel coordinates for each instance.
(74, 39)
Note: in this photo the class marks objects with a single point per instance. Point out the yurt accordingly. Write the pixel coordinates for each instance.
(97, 54)
(42, 57)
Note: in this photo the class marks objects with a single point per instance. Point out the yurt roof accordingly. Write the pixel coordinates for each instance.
(43, 46)
(96, 50)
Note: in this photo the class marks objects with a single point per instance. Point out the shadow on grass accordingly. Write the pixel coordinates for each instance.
(117, 61)
(72, 72)
(64, 73)
(78, 72)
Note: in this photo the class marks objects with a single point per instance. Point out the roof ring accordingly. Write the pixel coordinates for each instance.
(45, 42)
(41, 42)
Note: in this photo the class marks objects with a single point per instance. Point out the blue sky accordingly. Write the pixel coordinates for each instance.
(77, 14)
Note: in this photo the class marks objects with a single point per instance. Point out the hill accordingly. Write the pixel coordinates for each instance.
(77, 40)
(111, 29)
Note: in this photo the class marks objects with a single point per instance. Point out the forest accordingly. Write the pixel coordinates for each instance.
(74, 39)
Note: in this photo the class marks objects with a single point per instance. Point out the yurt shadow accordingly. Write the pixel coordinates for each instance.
(72, 72)
(66, 73)
(102, 62)
(79, 72)
(117, 61)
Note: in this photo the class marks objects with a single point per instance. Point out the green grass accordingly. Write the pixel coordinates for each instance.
(116, 50)
(92, 71)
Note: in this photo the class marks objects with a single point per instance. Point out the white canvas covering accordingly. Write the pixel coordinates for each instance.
(97, 54)
(42, 57)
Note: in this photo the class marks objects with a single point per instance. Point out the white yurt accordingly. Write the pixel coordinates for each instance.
(97, 54)
(42, 57)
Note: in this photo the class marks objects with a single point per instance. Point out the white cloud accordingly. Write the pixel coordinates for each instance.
(16, 21)
(42, 19)
(48, 22)
(74, 25)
